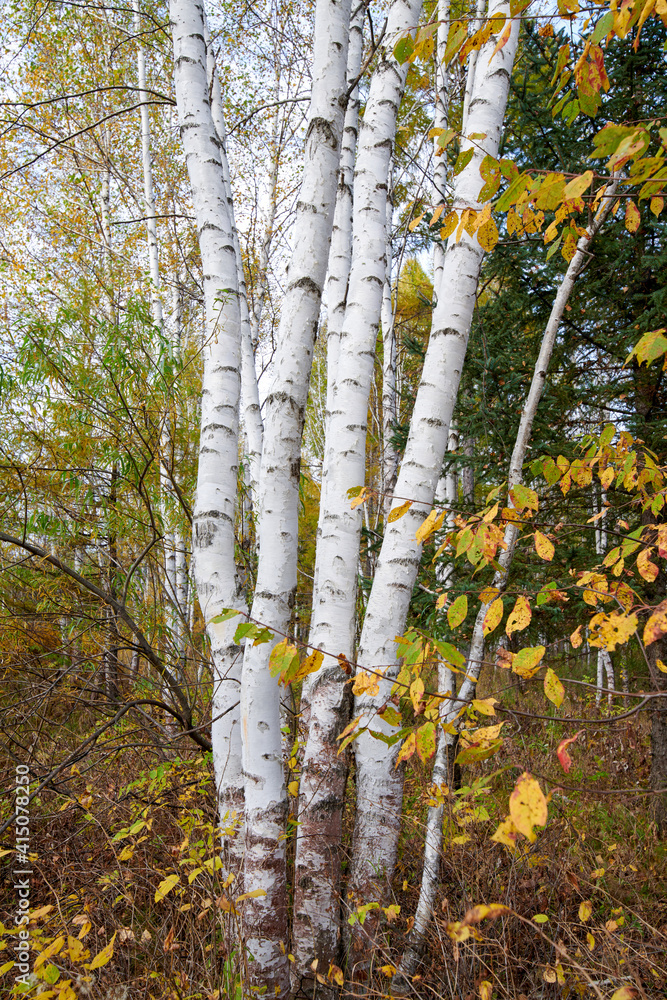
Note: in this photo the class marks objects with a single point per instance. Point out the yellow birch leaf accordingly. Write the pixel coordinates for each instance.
(528, 806)
(578, 185)
(526, 662)
(493, 616)
(365, 684)
(543, 546)
(293, 788)
(657, 205)
(607, 477)
(485, 990)
(553, 688)
(415, 222)
(254, 894)
(449, 224)
(585, 910)
(52, 949)
(632, 217)
(428, 526)
(442, 600)
(104, 956)
(506, 833)
(488, 235)
(576, 638)
(397, 512)
(407, 750)
(647, 569)
(457, 612)
(520, 616)
(165, 886)
(485, 705)
(362, 497)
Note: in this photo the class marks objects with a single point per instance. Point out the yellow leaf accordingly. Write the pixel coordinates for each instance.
(609, 631)
(75, 948)
(165, 886)
(52, 949)
(6, 967)
(336, 974)
(362, 497)
(526, 662)
(590, 940)
(488, 235)
(365, 684)
(85, 929)
(661, 666)
(656, 626)
(417, 692)
(442, 600)
(126, 853)
(398, 512)
(528, 806)
(657, 205)
(449, 224)
(485, 990)
(408, 748)
(543, 546)
(103, 956)
(606, 477)
(520, 616)
(488, 595)
(506, 833)
(254, 894)
(625, 993)
(553, 688)
(647, 569)
(578, 185)
(431, 524)
(632, 217)
(293, 788)
(457, 612)
(485, 706)
(576, 638)
(415, 222)
(493, 616)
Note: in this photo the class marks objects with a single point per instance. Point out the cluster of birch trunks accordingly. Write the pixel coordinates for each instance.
(339, 248)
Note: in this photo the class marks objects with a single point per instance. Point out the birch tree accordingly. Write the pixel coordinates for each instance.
(215, 504)
(334, 601)
(265, 792)
(379, 797)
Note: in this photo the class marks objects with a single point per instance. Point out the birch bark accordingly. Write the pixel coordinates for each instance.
(265, 917)
(334, 601)
(214, 509)
(379, 784)
(251, 415)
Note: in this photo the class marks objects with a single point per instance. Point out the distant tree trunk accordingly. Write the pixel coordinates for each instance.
(379, 782)
(265, 917)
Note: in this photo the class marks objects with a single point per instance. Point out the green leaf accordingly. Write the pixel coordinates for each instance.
(227, 613)
(457, 612)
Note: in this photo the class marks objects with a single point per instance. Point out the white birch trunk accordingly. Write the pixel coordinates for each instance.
(389, 397)
(441, 121)
(334, 601)
(215, 503)
(265, 917)
(340, 252)
(379, 783)
(604, 664)
(472, 65)
(251, 416)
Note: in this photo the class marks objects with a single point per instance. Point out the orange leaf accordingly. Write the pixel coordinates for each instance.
(647, 569)
(562, 754)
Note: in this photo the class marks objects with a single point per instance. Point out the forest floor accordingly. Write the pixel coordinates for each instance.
(127, 899)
